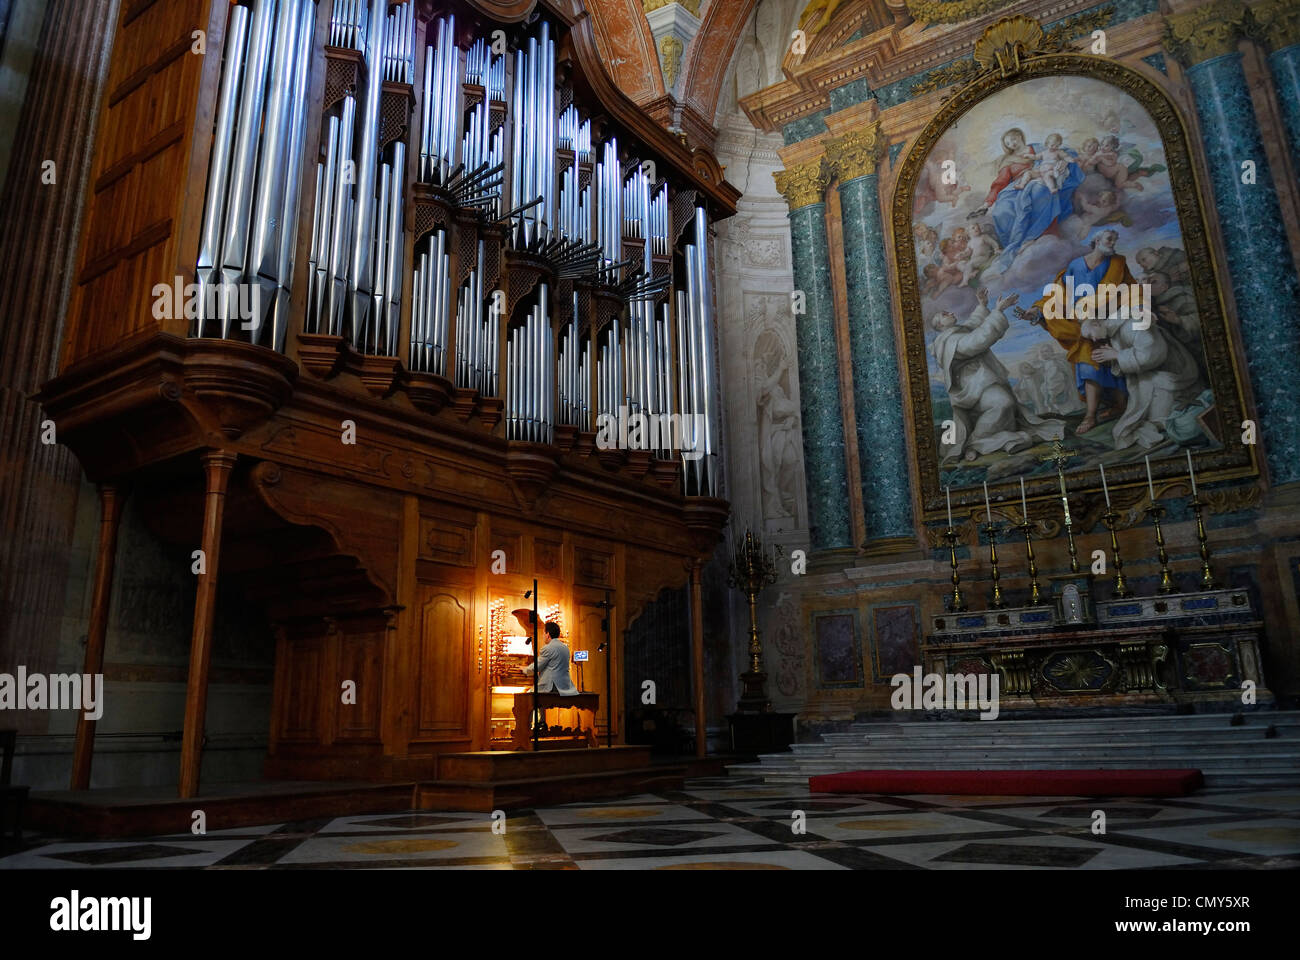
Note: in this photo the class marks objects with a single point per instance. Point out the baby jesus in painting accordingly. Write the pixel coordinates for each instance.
(1053, 165)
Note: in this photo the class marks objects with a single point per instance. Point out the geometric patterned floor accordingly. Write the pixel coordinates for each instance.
(736, 823)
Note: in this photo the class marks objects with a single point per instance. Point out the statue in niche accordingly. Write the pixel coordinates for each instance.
(778, 432)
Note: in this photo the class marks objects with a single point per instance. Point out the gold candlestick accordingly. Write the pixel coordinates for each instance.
(1035, 597)
(997, 603)
(1121, 584)
(958, 601)
(752, 568)
(1166, 578)
(1207, 576)
(1060, 457)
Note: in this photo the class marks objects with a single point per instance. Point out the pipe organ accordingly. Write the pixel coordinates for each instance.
(604, 224)
(493, 363)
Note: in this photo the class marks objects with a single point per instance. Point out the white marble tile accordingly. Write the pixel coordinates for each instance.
(1104, 857)
(896, 823)
(628, 814)
(333, 849)
(1270, 837)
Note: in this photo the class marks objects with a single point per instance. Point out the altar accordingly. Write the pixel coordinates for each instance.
(1190, 648)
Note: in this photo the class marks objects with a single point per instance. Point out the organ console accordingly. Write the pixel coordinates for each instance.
(439, 222)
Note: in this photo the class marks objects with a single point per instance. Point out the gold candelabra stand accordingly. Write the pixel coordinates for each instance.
(1155, 511)
(1121, 589)
(1207, 575)
(1035, 592)
(958, 601)
(997, 603)
(751, 570)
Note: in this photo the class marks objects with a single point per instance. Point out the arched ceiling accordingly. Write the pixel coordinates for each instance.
(624, 39)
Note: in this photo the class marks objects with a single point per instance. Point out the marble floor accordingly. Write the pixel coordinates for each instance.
(734, 823)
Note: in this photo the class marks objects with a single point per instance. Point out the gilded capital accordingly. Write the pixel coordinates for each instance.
(1206, 32)
(855, 154)
(1279, 22)
(692, 5)
(803, 184)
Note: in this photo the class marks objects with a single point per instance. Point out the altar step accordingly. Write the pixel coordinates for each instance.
(1228, 756)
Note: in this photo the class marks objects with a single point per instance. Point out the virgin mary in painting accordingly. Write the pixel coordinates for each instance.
(1033, 188)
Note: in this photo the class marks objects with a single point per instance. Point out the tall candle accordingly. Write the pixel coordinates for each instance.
(1191, 472)
(1150, 486)
(1024, 507)
(948, 493)
(988, 512)
(1104, 489)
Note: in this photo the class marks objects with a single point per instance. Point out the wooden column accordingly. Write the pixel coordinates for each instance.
(217, 465)
(697, 653)
(111, 499)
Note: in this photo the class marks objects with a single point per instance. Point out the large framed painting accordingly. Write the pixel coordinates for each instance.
(1057, 286)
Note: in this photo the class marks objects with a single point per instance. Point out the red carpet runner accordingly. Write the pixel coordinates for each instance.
(1014, 783)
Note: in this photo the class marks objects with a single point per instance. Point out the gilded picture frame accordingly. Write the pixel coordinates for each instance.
(1127, 481)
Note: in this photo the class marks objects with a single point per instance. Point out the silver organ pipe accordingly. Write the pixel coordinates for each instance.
(209, 259)
(358, 240)
(248, 237)
(362, 280)
(701, 471)
(657, 359)
(533, 126)
(442, 102)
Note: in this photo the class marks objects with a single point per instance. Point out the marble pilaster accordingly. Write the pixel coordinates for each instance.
(1264, 283)
(1279, 28)
(877, 397)
(803, 187)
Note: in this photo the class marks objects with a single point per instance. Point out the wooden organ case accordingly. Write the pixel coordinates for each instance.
(378, 304)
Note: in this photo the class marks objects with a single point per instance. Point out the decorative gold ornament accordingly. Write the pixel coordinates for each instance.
(1206, 32)
(670, 58)
(953, 11)
(803, 184)
(1004, 44)
(1003, 47)
(692, 5)
(856, 153)
(1278, 23)
(827, 10)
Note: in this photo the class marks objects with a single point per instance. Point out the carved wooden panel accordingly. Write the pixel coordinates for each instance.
(594, 568)
(445, 666)
(360, 659)
(548, 557)
(512, 543)
(300, 707)
(136, 194)
(447, 541)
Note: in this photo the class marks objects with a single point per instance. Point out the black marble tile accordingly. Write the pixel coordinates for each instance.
(1112, 813)
(266, 851)
(305, 826)
(859, 858)
(126, 854)
(656, 835)
(1012, 854)
(412, 821)
(829, 806)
